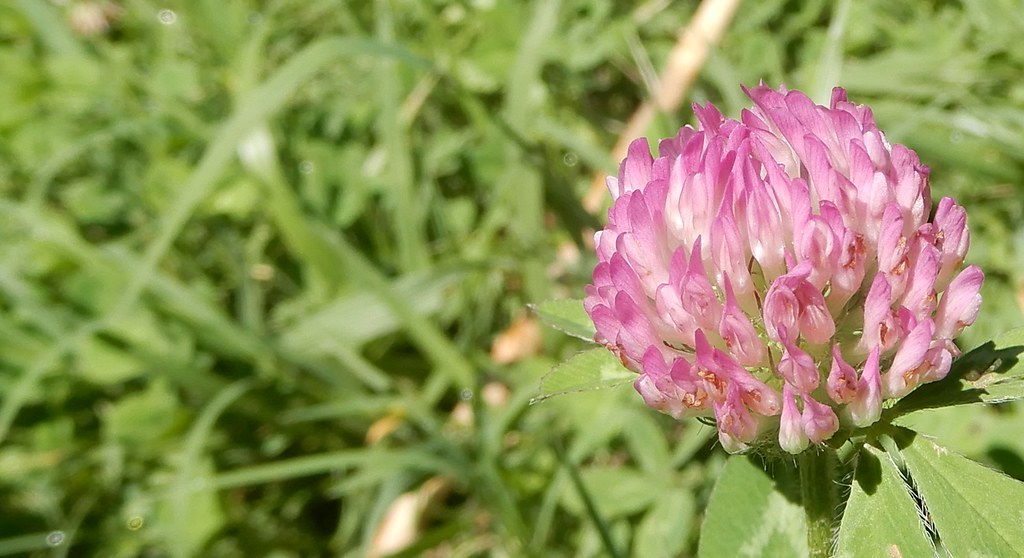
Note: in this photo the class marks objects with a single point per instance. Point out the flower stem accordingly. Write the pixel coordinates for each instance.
(818, 470)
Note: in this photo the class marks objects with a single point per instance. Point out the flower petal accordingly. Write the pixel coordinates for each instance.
(960, 303)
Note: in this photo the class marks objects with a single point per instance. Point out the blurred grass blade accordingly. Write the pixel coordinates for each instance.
(588, 504)
(524, 75)
(830, 61)
(192, 455)
(367, 406)
(405, 200)
(307, 243)
(16, 397)
(372, 376)
(22, 544)
(427, 336)
(51, 29)
(409, 458)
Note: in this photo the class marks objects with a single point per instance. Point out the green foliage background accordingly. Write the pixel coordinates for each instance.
(237, 236)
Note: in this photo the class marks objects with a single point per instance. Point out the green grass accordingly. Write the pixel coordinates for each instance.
(234, 244)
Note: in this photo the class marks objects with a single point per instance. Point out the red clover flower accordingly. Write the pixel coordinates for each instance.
(782, 272)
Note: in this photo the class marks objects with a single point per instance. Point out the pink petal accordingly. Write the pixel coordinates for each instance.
(849, 273)
(740, 337)
(937, 361)
(892, 249)
(669, 306)
(911, 185)
(820, 421)
(696, 293)
(764, 229)
(960, 303)
(792, 437)
(635, 170)
(654, 369)
(637, 333)
(736, 426)
(781, 308)
(815, 242)
(877, 307)
(708, 369)
(816, 324)
(842, 379)
(900, 379)
(755, 394)
(797, 367)
(920, 296)
(670, 389)
(952, 240)
(729, 253)
(866, 408)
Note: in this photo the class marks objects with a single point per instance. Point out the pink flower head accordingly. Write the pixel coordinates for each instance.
(781, 272)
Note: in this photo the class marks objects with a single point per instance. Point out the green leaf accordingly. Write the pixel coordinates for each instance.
(976, 510)
(881, 518)
(754, 513)
(991, 373)
(567, 316)
(594, 369)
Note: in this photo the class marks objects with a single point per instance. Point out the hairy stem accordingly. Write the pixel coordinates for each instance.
(820, 492)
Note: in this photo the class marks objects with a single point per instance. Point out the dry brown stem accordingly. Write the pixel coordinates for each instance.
(684, 64)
